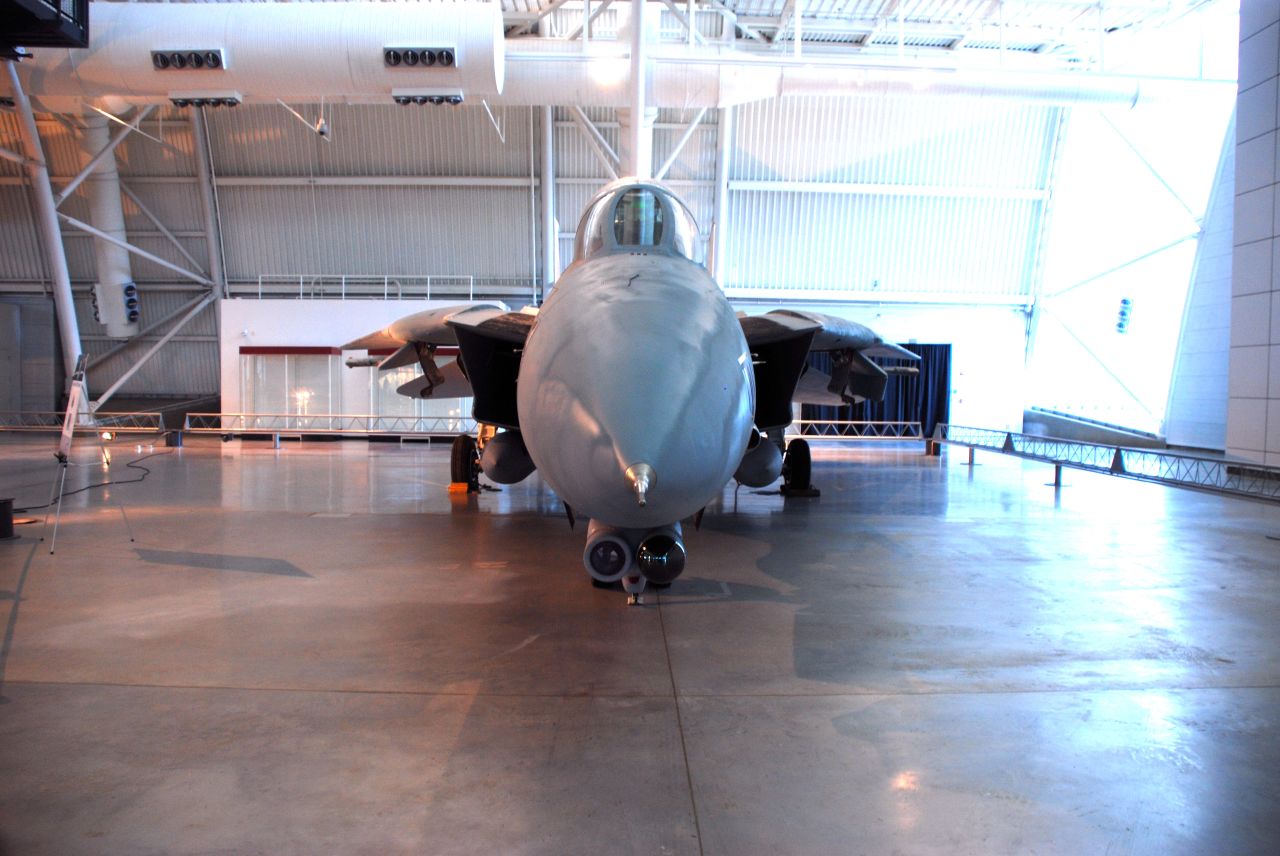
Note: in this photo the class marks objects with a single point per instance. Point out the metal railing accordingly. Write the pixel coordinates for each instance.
(326, 423)
(819, 429)
(1237, 478)
(359, 287)
(32, 420)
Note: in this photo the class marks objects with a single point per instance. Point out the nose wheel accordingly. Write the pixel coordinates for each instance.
(634, 587)
(464, 463)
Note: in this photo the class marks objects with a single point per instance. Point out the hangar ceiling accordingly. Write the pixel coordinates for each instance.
(881, 188)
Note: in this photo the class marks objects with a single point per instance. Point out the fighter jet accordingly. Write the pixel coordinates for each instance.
(635, 390)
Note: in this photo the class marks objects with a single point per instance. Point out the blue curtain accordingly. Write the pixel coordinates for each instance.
(919, 398)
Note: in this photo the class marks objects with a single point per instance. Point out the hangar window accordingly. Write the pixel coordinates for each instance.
(288, 387)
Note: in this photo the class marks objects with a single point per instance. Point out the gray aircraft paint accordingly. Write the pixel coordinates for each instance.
(636, 392)
(636, 359)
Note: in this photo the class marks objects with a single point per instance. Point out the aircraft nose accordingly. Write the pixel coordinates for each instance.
(641, 477)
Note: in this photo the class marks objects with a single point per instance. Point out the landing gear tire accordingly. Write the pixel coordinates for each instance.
(601, 584)
(797, 470)
(660, 586)
(464, 463)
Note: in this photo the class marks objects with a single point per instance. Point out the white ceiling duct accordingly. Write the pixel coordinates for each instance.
(292, 51)
(304, 52)
(547, 71)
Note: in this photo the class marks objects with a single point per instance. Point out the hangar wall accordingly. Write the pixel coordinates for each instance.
(833, 195)
(1197, 413)
(304, 323)
(1253, 414)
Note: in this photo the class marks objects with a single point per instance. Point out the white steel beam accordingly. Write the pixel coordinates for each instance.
(719, 225)
(680, 144)
(788, 9)
(686, 21)
(550, 232)
(13, 156)
(151, 352)
(155, 221)
(98, 233)
(1033, 194)
(154, 325)
(208, 201)
(603, 152)
(50, 233)
(527, 26)
(639, 150)
(584, 29)
(107, 151)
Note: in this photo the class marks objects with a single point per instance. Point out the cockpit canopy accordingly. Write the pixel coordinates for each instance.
(636, 217)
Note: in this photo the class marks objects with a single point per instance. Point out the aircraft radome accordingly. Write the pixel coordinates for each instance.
(634, 389)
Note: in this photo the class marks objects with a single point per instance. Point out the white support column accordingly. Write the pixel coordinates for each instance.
(550, 231)
(638, 159)
(209, 201)
(50, 233)
(719, 226)
(102, 187)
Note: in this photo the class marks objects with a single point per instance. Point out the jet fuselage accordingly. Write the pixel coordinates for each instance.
(636, 358)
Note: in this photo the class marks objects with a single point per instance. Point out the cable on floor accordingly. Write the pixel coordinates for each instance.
(135, 464)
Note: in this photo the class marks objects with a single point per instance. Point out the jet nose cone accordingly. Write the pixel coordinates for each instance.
(642, 478)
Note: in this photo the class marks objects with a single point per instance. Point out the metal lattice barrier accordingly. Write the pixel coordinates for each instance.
(355, 287)
(131, 423)
(1237, 478)
(844, 430)
(326, 423)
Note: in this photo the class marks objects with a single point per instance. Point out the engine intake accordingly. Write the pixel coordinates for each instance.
(661, 556)
(607, 556)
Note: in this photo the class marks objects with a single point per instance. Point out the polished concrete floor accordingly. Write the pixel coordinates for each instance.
(317, 649)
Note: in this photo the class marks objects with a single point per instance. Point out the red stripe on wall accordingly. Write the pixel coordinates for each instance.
(288, 349)
(386, 352)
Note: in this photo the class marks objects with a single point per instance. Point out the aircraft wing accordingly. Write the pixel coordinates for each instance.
(780, 343)
(489, 338)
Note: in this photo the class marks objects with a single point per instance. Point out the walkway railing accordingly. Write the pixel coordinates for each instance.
(818, 429)
(1237, 478)
(31, 420)
(359, 287)
(326, 423)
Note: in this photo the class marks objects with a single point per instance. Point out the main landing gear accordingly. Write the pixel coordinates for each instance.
(464, 463)
(797, 470)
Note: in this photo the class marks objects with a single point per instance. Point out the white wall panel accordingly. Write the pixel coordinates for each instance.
(1197, 414)
(915, 141)
(965, 222)
(375, 231)
(186, 366)
(21, 257)
(371, 140)
(898, 244)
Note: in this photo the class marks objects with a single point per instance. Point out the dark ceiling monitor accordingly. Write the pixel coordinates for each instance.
(42, 24)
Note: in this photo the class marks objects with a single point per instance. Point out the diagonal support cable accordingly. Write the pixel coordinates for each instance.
(1101, 363)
